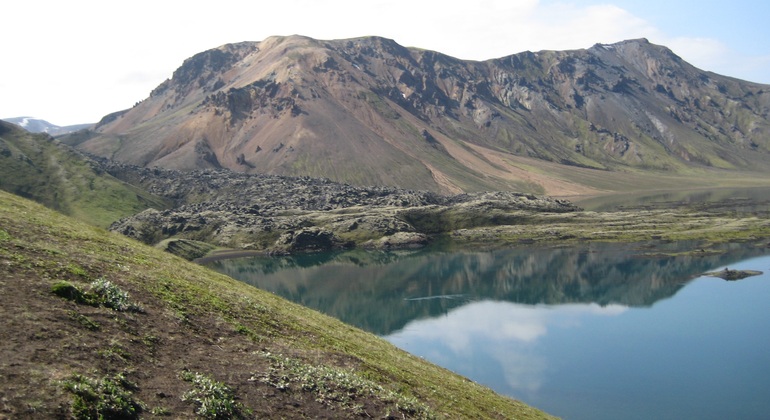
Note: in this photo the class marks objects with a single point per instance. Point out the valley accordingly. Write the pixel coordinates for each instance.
(294, 148)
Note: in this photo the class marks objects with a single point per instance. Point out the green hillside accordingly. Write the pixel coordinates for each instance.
(97, 324)
(40, 168)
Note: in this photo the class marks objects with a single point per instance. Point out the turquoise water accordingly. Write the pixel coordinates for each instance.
(595, 332)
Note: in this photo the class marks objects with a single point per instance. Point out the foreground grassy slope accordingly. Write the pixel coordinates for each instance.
(40, 168)
(183, 339)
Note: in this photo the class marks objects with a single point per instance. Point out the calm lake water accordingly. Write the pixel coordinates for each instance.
(594, 332)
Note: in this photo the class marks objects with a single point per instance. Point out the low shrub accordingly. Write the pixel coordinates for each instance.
(102, 292)
(111, 296)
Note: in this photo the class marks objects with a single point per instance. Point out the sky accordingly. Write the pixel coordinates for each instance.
(74, 61)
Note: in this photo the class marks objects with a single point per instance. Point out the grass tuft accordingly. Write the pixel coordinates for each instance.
(105, 398)
(338, 386)
(215, 400)
(85, 321)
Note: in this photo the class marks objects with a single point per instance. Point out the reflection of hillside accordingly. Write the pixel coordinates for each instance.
(259, 265)
(734, 200)
(381, 292)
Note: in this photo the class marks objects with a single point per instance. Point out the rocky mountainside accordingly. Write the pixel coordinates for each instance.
(278, 214)
(368, 111)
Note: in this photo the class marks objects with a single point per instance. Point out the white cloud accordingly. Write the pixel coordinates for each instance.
(83, 50)
(713, 55)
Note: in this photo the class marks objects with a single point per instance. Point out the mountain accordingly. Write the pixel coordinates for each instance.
(368, 111)
(36, 125)
(38, 167)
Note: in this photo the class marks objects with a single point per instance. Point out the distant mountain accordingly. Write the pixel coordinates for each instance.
(38, 167)
(36, 125)
(367, 111)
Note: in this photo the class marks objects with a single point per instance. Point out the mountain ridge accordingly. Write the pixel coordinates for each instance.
(369, 111)
(39, 167)
(38, 125)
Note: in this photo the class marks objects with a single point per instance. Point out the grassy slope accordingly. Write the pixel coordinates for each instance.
(37, 167)
(196, 320)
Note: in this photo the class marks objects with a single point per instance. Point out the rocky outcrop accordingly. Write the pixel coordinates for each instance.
(287, 215)
(733, 275)
(398, 240)
(308, 239)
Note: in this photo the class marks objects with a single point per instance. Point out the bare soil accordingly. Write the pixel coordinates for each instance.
(44, 341)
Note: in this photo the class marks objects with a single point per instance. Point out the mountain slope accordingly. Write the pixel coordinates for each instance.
(40, 168)
(36, 125)
(168, 331)
(370, 112)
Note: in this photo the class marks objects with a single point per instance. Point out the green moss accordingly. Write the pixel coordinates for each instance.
(69, 291)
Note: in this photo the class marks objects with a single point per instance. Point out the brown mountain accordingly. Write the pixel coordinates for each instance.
(368, 111)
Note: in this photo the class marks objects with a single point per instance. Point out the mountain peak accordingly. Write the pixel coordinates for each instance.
(369, 111)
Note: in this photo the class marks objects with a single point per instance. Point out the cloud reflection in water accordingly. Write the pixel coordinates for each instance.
(495, 342)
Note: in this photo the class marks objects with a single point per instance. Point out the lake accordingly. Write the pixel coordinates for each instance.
(585, 332)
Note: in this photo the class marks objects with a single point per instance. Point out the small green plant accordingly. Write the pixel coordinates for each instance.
(214, 399)
(85, 321)
(160, 412)
(115, 352)
(105, 398)
(102, 292)
(150, 340)
(4, 236)
(332, 385)
(111, 296)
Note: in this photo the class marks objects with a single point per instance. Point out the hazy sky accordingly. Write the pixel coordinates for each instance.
(74, 61)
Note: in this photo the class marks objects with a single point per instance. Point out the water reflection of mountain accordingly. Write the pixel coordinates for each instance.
(381, 292)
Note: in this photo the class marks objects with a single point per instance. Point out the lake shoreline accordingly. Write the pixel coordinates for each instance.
(481, 221)
(703, 231)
